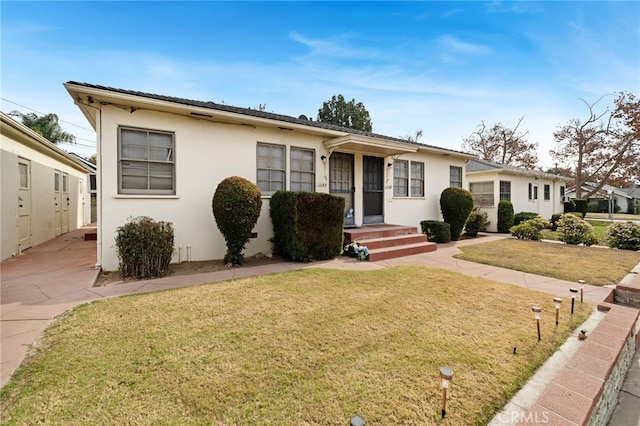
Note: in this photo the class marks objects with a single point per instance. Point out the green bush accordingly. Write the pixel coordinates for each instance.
(574, 230)
(477, 222)
(436, 230)
(505, 216)
(236, 208)
(625, 236)
(456, 205)
(521, 217)
(530, 229)
(569, 206)
(582, 206)
(307, 225)
(595, 207)
(554, 221)
(144, 248)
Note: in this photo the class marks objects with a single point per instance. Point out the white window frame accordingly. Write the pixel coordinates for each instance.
(483, 193)
(417, 179)
(547, 192)
(401, 178)
(504, 194)
(455, 183)
(268, 165)
(301, 167)
(149, 162)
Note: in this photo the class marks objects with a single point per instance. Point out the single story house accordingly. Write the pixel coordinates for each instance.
(43, 189)
(164, 157)
(528, 190)
(623, 199)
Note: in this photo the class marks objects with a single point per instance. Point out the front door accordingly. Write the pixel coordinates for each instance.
(341, 183)
(65, 203)
(57, 202)
(24, 204)
(373, 189)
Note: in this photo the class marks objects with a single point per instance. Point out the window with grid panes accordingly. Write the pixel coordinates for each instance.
(417, 179)
(146, 162)
(547, 192)
(455, 176)
(270, 167)
(400, 178)
(505, 190)
(302, 175)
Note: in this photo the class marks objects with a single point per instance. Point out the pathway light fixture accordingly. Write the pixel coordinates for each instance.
(446, 374)
(536, 312)
(558, 302)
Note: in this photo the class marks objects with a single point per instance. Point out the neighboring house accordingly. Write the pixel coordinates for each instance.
(528, 190)
(623, 199)
(43, 189)
(164, 157)
(91, 184)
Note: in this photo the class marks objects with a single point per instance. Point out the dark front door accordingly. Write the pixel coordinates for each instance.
(373, 189)
(341, 183)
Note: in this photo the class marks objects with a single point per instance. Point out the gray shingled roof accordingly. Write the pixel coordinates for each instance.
(255, 113)
(478, 165)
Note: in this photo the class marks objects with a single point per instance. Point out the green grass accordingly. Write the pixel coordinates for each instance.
(303, 347)
(595, 265)
(599, 227)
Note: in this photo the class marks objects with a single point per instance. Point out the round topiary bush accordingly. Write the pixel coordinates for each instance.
(456, 204)
(573, 230)
(505, 216)
(236, 207)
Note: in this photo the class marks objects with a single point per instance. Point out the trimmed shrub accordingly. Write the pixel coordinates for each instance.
(144, 248)
(569, 206)
(477, 222)
(573, 230)
(521, 217)
(529, 229)
(456, 205)
(594, 207)
(436, 231)
(625, 236)
(307, 225)
(505, 216)
(236, 208)
(582, 206)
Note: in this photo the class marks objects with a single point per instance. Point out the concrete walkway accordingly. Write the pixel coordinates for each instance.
(49, 279)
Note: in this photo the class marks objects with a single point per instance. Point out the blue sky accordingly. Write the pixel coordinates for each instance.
(439, 66)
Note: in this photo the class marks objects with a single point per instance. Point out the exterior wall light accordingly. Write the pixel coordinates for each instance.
(446, 374)
(558, 302)
(536, 312)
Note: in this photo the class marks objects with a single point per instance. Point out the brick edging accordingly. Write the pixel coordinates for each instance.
(586, 389)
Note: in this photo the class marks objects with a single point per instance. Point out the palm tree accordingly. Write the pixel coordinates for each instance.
(45, 125)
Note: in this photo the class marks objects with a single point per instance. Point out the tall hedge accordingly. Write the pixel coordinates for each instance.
(236, 207)
(307, 225)
(456, 204)
(582, 206)
(505, 216)
(144, 247)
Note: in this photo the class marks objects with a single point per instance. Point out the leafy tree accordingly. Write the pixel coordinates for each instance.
(605, 147)
(92, 158)
(46, 125)
(346, 114)
(413, 138)
(503, 145)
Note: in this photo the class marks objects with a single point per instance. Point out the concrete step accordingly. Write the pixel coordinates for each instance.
(400, 251)
(378, 231)
(393, 241)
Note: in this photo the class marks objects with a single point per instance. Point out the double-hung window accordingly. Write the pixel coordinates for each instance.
(482, 193)
(547, 192)
(146, 160)
(455, 177)
(271, 167)
(401, 178)
(302, 175)
(505, 190)
(417, 179)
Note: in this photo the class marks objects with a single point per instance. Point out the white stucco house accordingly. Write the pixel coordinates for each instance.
(44, 189)
(623, 198)
(163, 157)
(528, 190)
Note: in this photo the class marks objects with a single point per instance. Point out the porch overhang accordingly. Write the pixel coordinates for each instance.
(360, 143)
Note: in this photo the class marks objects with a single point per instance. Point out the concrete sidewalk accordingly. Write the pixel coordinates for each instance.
(51, 278)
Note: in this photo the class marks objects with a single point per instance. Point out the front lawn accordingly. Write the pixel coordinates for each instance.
(595, 265)
(303, 347)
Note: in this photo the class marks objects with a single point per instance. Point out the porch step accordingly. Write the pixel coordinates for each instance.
(389, 241)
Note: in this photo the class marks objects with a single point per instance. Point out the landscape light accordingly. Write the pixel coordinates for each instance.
(357, 421)
(573, 298)
(446, 374)
(581, 282)
(557, 301)
(536, 312)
